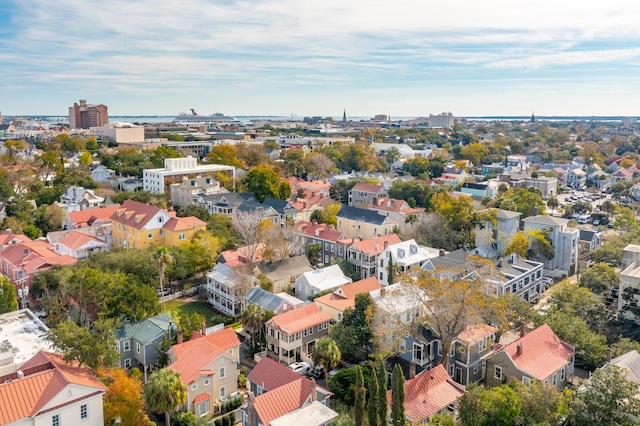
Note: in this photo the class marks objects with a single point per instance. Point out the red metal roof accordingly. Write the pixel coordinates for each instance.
(428, 393)
(84, 218)
(130, 210)
(300, 318)
(367, 187)
(270, 374)
(542, 353)
(202, 397)
(184, 223)
(475, 333)
(282, 400)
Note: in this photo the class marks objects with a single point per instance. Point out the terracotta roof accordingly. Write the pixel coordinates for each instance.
(183, 223)
(475, 333)
(134, 209)
(74, 240)
(387, 204)
(87, 217)
(202, 397)
(428, 393)
(194, 355)
(6, 237)
(344, 297)
(376, 245)
(25, 397)
(326, 232)
(32, 255)
(299, 319)
(367, 187)
(282, 400)
(542, 353)
(310, 201)
(237, 257)
(270, 374)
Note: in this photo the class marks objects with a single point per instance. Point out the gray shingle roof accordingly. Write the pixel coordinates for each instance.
(362, 215)
(285, 268)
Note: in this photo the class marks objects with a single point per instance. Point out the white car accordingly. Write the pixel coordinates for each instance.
(300, 367)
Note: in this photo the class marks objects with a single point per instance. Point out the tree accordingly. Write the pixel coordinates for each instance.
(264, 182)
(599, 278)
(359, 393)
(123, 398)
(162, 257)
(93, 347)
(326, 353)
(519, 244)
(393, 155)
(318, 165)
(8, 296)
(609, 398)
(397, 397)
(540, 247)
(203, 250)
(625, 220)
(383, 405)
(372, 404)
(314, 252)
(552, 203)
(248, 227)
(165, 392)
(354, 334)
(416, 166)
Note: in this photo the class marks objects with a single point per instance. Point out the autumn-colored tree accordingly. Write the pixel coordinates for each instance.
(203, 250)
(474, 152)
(263, 182)
(518, 244)
(225, 154)
(123, 399)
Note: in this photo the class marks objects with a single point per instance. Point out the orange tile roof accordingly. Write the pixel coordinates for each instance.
(299, 319)
(428, 393)
(236, 257)
(282, 400)
(367, 187)
(376, 245)
(542, 353)
(74, 240)
(87, 217)
(6, 237)
(134, 208)
(194, 355)
(344, 297)
(201, 397)
(387, 204)
(475, 333)
(25, 397)
(184, 223)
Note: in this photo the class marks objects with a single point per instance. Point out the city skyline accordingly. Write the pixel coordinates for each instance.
(282, 57)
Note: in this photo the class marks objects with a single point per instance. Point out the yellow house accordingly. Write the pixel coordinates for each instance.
(334, 304)
(362, 223)
(139, 225)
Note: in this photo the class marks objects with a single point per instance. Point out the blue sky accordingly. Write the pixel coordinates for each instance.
(282, 57)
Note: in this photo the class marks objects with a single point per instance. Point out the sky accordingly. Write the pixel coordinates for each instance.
(406, 58)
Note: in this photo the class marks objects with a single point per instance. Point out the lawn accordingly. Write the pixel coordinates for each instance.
(211, 317)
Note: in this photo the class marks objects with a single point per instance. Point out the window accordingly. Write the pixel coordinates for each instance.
(203, 408)
(160, 232)
(340, 250)
(194, 386)
(562, 374)
(554, 379)
(451, 367)
(55, 420)
(138, 347)
(207, 382)
(222, 372)
(127, 363)
(83, 411)
(452, 350)
(339, 316)
(526, 380)
(126, 346)
(497, 374)
(182, 236)
(333, 248)
(160, 219)
(475, 369)
(223, 392)
(150, 234)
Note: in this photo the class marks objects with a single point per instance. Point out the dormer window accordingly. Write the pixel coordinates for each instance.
(160, 219)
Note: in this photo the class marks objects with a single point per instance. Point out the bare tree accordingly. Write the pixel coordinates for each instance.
(248, 227)
(318, 165)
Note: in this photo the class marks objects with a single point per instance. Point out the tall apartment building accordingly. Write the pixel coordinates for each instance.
(176, 170)
(444, 120)
(84, 115)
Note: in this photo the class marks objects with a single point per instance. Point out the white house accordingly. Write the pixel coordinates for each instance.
(328, 278)
(565, 241)
(405, 255)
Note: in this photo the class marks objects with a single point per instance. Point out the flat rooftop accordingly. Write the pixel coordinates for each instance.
(22, 335)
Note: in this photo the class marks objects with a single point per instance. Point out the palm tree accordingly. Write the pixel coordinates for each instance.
(326, 353)
(252, 320)
(163, 257)
(165, 392)
(553, 204)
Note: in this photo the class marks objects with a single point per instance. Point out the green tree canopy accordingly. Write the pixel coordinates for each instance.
(264, 182)
(165, 392)
(8, 296)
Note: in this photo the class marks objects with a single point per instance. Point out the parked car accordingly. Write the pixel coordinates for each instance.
(164, 292)
(610, 225)
(596, 222)
(300, 367)
(316, 372)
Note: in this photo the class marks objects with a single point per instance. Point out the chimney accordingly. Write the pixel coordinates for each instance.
(535, 210)
(441, 253)
(382, 292)
(609, 355)
(412, 370)
(523, 329)
(180, 338)
(386, 245)
(519, 349)
(20, 373)
(314, 395)
(204, 328)
(499, 262)
(314, 222)
(513, 257)
(375, 201)
(251, 411)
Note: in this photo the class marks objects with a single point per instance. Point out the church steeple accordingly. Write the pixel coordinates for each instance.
(344, 118)
(533, 117)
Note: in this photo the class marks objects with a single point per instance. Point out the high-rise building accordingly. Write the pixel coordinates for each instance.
(84, 115)
(444, 120)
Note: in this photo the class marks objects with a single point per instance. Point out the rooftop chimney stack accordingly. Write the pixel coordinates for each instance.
(523, 330)
(382, 292)
(314, 395)
(441, 253)
(519, 349)
(412, 370)
(204, 328)
(609, 355)
(180, 338)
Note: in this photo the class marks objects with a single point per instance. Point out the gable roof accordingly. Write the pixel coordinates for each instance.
(281, 206)
(141, 212)
(263, 298)
(630, 362)
(325, 278)
(285, 268)
(367, 187)
(344, 297)
(321, 231)
(46, 375)
(75, 240)
(428, 393)
(361, 215)
(146, 330)
(184, 223)
(299, 319)
(282, 400)
(238, 256)
(542, 353)
(545, 220)
(375, 246)
(88, 217)
(270, 374)
(387, 204)
(475, 333)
